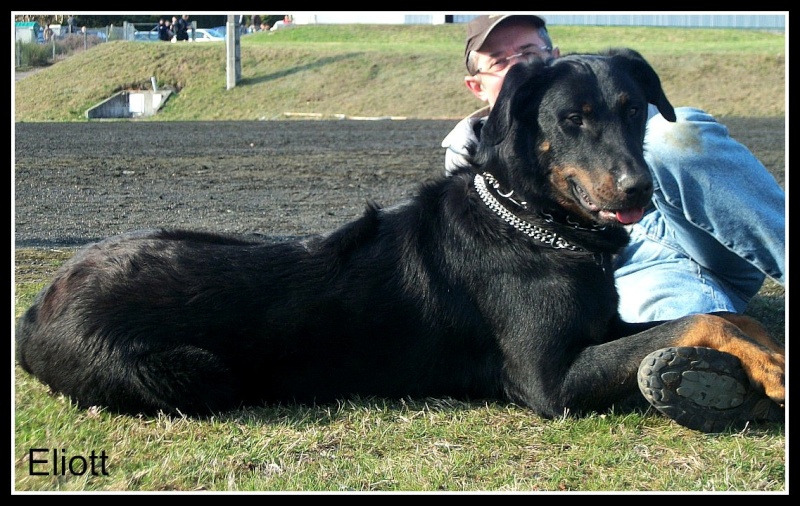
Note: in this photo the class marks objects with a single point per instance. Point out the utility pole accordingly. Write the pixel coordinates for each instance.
(233, 52)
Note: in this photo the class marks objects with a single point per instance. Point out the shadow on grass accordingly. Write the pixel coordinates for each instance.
(322, 62)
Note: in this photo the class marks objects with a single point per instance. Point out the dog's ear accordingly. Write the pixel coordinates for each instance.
(519, 85)
(646, 76)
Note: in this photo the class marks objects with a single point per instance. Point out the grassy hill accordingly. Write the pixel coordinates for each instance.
(414, 71)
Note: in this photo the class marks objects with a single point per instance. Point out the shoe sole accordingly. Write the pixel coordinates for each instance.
(703, 389)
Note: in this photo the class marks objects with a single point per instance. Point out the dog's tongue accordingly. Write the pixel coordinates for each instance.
(630, 215)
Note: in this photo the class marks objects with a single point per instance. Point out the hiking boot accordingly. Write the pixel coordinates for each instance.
(703, 389)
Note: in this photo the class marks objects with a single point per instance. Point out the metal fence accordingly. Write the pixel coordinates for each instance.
(43, 48)
(38, 46)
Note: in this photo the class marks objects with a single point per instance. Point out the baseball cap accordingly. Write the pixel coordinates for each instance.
(481, 26)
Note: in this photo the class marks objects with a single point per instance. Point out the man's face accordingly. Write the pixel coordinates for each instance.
(512, 37)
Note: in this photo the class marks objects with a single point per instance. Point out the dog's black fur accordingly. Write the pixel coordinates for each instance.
(437, 296)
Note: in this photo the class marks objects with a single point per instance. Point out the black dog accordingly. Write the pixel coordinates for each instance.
(495, 282)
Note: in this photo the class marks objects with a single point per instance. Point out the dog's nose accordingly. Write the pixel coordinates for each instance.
(636, 185)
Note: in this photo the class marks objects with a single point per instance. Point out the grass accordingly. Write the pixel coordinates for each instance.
(370, 445)
(411, 71)
(377, 445)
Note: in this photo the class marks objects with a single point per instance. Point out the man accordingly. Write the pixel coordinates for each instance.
(717, 225)
(181, 27)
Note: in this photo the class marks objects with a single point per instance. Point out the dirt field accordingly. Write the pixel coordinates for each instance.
(80, 182)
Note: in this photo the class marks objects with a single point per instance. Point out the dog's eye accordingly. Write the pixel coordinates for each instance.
(575, 119)
(633, 111)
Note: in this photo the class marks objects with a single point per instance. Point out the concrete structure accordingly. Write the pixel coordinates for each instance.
(129, 104)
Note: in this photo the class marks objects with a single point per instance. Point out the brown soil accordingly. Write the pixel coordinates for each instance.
(79, 182)
(76, 183)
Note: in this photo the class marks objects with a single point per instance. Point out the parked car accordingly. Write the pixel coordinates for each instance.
(208, 35)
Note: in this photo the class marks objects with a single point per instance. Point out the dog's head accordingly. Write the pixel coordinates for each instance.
(568, 135)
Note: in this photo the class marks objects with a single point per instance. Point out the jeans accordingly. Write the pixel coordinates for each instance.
(717, 229)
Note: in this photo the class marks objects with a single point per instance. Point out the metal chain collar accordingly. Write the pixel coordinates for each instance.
(540, 234)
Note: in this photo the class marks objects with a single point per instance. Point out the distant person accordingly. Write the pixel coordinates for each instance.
(173, 28)
(182, 28)
(163, 30)
(72, 24)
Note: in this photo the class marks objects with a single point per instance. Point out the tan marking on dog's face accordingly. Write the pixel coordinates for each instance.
(544, 146)
(597, 190)
(563, 194)
(764, 365)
